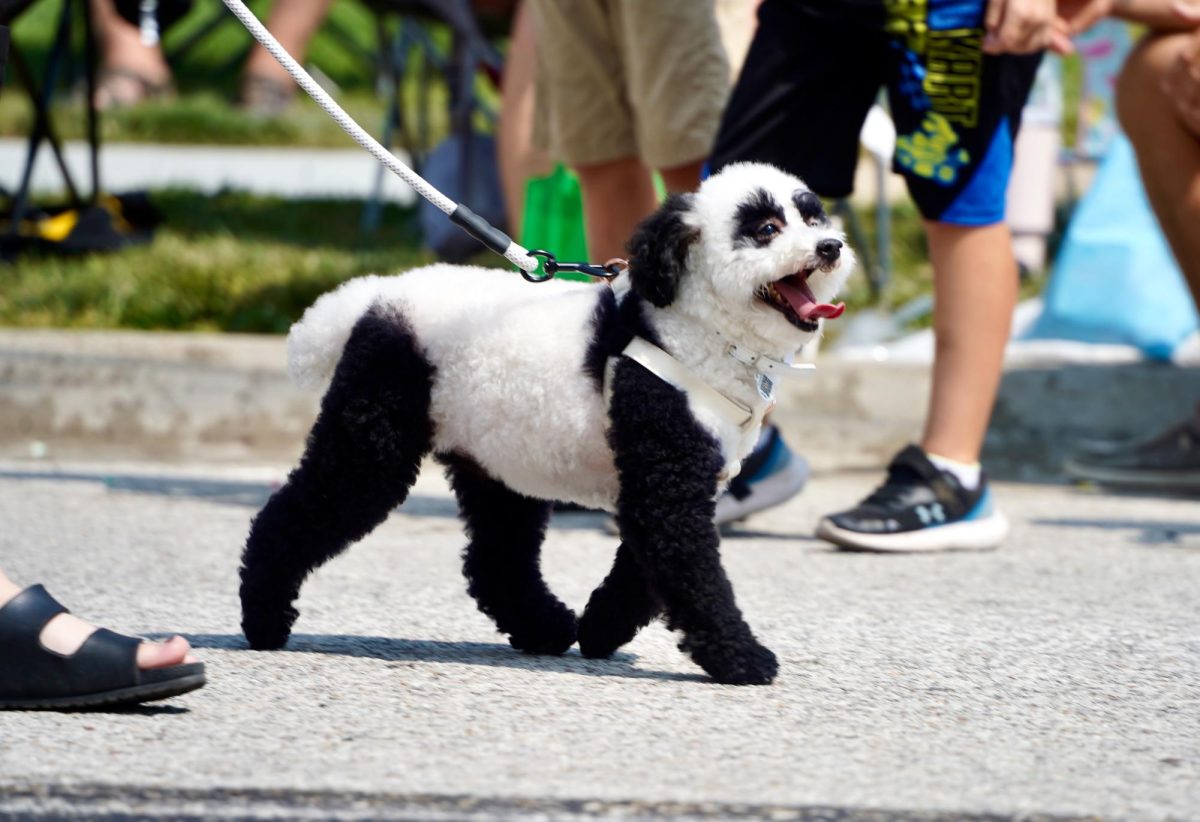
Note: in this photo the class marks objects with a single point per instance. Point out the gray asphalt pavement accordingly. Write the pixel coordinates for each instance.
(1059, 675)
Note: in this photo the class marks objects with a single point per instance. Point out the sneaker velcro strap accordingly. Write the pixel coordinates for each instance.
(915, 460)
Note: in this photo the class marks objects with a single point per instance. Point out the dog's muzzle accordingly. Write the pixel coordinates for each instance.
(792, 296)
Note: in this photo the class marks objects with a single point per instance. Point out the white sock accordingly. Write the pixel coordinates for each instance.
(967, 473)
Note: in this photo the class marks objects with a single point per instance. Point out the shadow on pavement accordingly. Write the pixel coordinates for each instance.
(226, 492)
(255, 494)
(140, 710)
(1151, 532)
(491, 654)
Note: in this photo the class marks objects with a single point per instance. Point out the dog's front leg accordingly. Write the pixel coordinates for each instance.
(622, 605)
(668, 466)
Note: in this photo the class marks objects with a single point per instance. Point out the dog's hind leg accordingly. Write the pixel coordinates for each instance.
(668, 466)
(363, 455)
(501, 561)
(622, 605)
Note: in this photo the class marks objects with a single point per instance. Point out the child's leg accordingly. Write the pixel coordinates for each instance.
(956, 111)
(975, 282)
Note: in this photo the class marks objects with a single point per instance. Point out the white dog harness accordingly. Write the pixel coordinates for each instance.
(671, 371)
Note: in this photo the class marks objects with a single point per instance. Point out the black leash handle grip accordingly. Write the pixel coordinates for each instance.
(479, 228)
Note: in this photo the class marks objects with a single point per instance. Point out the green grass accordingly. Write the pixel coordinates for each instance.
(229, 262)
(237, 262)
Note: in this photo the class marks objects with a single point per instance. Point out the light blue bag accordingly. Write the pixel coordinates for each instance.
(1115, 279)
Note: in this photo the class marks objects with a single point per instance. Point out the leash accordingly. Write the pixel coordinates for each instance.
(479, 228)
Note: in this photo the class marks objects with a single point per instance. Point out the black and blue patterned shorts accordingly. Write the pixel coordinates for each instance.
(815, 68)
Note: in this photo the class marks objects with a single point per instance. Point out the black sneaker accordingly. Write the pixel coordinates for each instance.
(771, 475)
(1170, 460)
(919, 508)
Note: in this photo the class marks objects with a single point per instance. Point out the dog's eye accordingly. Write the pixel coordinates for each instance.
(766, 231)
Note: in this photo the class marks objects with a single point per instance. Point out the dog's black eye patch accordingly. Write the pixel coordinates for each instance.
(810, 207)
(758, 220)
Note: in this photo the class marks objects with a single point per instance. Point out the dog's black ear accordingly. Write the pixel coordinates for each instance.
(658, 250)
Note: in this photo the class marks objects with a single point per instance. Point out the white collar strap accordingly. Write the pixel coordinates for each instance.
(764, 364)
(675, 373)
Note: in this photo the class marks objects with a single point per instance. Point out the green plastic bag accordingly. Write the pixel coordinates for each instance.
(553, 218)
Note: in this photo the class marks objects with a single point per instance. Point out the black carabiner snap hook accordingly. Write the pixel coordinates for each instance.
(552, 266)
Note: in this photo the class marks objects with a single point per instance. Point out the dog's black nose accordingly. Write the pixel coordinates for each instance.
(829, 250)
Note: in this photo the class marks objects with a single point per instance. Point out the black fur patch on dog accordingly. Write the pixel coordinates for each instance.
(658, 250)
(613, 326)
(668, 465)
(609, 337)
(362, 456)
(756, 209)
(501, 560)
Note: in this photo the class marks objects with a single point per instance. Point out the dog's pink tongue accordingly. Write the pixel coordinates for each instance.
(800, 297)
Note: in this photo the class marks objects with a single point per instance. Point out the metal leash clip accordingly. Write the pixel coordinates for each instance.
(552, 266)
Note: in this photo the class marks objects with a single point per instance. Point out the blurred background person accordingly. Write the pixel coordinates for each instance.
(1158, 103)
(132, 71)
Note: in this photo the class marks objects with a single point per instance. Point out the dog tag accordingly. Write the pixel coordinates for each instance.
(766, 388)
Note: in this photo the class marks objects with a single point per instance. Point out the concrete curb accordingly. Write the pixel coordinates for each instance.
(226, 397)
(348, 173)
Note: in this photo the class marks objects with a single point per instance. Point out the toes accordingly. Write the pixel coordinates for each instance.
(162, 654)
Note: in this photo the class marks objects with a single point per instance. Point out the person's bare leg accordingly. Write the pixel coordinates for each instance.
(518, 158)
(617, 195)
(122, 52)
(682, 178)
(975, 287)
(1168, 153)
(293, 22)
(66, 633)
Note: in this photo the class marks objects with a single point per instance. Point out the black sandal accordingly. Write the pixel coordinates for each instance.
(103, 673)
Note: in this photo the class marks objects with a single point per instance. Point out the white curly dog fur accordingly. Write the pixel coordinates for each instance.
(509, 387)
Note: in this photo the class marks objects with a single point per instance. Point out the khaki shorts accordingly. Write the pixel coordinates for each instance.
(628, 78)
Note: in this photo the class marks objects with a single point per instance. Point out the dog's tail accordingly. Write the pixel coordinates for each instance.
(315, 343)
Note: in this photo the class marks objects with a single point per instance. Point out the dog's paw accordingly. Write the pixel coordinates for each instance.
(552, 633)
(601, 633)
(268, 629)
(743, 663)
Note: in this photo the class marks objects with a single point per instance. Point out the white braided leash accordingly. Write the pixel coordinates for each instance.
(461, 215)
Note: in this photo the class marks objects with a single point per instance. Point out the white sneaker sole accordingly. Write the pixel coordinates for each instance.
(768, 492)
(975, 535)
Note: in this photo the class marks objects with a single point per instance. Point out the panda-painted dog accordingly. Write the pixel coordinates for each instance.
(641, 398)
